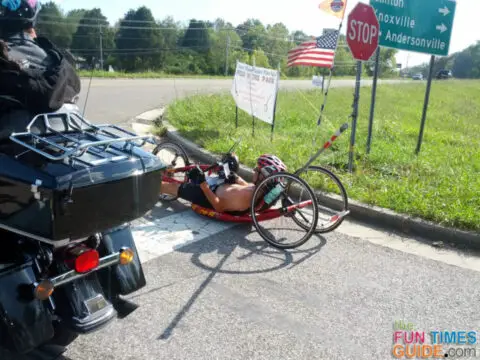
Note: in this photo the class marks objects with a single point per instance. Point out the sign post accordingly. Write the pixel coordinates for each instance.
(419, 26)
(425, 105)
(362, 39)
(374, 94)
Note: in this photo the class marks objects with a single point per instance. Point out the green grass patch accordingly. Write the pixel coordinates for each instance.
(441, 184)
(161, 75)
(143, 75)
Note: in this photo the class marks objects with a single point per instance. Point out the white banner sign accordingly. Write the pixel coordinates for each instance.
(317, 81)
(255, 91)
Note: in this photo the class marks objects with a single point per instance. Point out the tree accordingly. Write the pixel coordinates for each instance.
(73, 18)
(197, 36)
(139, 42)
(387, 63)
(86, 40)
(223, 35)
(253, 33)
(299, 36)
(463, 64)
(261, 60)
(277, 43)
(52, 24)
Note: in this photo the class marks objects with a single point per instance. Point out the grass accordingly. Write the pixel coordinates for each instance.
(161, 75)
(441, 184)
(142, 75)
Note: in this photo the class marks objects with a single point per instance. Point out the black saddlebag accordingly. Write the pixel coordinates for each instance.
(68, 185)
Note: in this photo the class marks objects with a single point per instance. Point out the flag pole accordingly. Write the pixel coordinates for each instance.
(329, 76)
(329, 79)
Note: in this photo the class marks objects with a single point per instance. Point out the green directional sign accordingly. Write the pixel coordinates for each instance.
(423, 26)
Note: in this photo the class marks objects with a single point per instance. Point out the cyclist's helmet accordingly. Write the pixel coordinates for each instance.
(21, 14)
(269, 164)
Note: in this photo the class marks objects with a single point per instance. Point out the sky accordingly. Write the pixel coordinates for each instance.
(296, 15)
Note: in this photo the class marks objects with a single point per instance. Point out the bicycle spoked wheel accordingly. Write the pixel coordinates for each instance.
(282, 231)
(331, 197)
(173, 156)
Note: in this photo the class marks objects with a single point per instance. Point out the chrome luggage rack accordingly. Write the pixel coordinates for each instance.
(73, 124)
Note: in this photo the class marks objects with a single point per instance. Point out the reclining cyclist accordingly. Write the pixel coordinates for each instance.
(233, 194)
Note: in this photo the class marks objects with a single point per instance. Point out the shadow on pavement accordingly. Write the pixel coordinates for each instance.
(47, 352)
(226, 246)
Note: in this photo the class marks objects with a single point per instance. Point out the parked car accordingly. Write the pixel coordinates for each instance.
(417, 77)
(444, 74)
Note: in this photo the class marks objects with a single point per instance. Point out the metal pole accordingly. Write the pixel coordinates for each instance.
(374, 94)
(236, 116)
(425, 104)
(226, 54)
(253, 117)
(275, 104)
(355, 115)
(101, 49)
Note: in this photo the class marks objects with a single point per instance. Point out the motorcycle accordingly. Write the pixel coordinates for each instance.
(68, 191)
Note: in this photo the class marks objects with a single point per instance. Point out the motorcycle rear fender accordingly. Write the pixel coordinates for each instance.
(25, 322)
(121, 279)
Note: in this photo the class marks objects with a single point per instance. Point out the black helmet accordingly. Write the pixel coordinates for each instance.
(20, 14)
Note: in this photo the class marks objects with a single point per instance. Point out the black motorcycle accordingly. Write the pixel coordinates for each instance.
(68, 190)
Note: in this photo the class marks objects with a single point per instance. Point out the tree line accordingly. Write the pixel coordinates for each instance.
(464, 64)
(138, 42)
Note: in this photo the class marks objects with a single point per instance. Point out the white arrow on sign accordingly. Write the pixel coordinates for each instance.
(442, 28)
(444, 11)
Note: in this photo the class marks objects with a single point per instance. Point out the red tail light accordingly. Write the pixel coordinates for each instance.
(87, 261)
(82, 259)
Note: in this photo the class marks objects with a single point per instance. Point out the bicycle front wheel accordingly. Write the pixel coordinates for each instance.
(174, 156)
(331, 197)
(274, 222)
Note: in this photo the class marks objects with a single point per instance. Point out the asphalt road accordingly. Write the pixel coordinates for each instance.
(119, 100)
(230, 296)
(222, 293)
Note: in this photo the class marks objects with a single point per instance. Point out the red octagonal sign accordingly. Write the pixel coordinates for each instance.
(362, 32)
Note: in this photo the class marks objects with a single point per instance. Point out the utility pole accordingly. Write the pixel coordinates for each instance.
(226, 54)
(101, 48)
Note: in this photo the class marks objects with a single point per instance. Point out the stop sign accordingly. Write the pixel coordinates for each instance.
(362, 32)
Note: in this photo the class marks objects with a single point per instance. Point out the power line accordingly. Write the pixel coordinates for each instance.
(153, 48)
(119, 26)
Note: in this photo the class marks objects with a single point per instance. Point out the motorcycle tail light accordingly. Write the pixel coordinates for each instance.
(87, 261)
(82, 259)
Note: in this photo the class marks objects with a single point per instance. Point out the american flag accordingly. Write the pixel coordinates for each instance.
(319, 52)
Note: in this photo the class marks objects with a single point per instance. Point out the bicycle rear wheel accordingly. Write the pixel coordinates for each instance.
(331, 197)
(281, 228)
(174, 156)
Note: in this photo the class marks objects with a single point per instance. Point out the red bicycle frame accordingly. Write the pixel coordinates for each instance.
(267, 214)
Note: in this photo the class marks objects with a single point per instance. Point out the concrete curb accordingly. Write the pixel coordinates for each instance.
(371, 215)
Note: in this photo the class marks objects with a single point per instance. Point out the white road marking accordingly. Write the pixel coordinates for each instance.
(166, 234)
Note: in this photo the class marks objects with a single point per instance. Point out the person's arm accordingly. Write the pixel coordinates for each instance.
(240, 181)
(217, 204)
